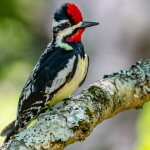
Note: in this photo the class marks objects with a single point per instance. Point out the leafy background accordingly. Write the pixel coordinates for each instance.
(122, 38)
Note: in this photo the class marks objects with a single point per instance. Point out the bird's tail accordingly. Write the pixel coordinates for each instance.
(9, 131)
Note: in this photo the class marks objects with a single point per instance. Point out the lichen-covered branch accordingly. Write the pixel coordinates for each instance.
(74, 119)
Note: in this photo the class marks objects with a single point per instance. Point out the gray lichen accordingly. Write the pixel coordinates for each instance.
(74, 119)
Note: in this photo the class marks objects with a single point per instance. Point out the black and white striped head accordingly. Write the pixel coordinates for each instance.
(68, 24)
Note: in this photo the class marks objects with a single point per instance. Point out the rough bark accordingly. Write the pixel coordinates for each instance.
(74, 119)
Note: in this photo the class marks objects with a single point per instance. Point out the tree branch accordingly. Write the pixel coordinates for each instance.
(74, 119)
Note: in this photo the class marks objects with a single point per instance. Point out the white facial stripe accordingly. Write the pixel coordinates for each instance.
(63, 34)
(56, 23)
(61, 77)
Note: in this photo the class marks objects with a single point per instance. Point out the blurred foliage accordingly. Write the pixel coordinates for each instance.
(143, 142)
(18, 39)
(8, 9)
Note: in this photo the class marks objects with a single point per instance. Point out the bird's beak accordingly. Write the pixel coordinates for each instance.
(85, 24)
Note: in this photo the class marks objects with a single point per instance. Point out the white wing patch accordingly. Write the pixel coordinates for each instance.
(61, 77)
(86, 64)
(72, 84)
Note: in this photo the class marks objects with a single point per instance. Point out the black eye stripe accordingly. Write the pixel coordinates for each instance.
(66, 24)
(61, 27)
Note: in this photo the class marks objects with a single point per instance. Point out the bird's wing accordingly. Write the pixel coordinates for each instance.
(46, 78)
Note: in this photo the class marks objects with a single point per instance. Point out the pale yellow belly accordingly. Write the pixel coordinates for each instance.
(73, 84)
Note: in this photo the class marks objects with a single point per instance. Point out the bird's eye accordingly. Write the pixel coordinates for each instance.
(67, 24)
(61, 27)
(56, 30)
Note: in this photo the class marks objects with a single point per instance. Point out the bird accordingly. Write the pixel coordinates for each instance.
(60, 70)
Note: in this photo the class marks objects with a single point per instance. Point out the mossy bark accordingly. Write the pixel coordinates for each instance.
(74, 119)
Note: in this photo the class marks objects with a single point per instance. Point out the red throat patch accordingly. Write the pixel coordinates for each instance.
(77, 37)
(74, 12)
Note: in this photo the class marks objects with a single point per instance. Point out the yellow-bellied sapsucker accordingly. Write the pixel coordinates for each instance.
(60, 70)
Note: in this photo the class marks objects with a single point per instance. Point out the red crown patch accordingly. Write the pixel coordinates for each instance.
(74, 12)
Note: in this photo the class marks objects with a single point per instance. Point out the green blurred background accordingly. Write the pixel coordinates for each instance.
(122, 38)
